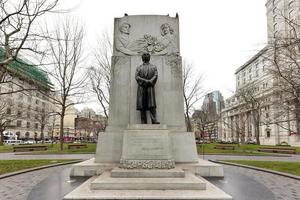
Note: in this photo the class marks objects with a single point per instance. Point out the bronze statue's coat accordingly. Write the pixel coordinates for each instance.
(146, 77)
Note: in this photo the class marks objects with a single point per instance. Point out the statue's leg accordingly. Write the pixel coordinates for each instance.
(153, 116)
(143, 116)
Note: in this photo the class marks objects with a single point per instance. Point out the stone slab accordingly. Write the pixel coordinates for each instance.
(146, 144)
(141, 173)
(91, 168)
(147, 127)
(184, 147)
(202, 168)
(109, 146)
(84, 192)
(106, 182)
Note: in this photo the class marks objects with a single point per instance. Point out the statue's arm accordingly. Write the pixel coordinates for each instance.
(120, 47)
(141, 81)
(154, 78)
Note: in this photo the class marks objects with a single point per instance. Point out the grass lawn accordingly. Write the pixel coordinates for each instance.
(8, 166)
(242, 149)
(91, 148)
(287, 167)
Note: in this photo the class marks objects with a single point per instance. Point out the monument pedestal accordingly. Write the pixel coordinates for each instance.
(147, 147)
(147, 169)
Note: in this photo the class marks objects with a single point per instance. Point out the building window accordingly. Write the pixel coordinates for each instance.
(8, 111)
(19, 123)
(28, 125)
(268, 133)
(28, 115)
(19, 114)
(36, 125)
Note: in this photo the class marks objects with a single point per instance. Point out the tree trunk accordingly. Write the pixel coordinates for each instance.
(257, 133)
(61, 130)
(188, 123)
(42, 134)
(1, 137)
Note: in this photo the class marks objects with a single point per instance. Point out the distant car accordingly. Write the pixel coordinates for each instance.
(251, 142)
(29, 142)
(12, 142)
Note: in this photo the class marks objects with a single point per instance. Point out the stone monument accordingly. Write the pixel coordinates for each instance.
(135, 160)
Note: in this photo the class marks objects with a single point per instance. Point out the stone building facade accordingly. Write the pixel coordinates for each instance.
(25, 109)
(256, 109)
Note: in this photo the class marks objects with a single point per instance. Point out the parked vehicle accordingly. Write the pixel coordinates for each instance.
(13, 142)
(29, 142)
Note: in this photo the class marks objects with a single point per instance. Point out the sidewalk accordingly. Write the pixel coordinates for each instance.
(286, 158)
(22, 156)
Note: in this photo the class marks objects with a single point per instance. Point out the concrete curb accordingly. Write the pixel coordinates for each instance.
(37, 168)
(265, 155)
(259, 169)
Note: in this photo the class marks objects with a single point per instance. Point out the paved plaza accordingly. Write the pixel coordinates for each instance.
(241, 183)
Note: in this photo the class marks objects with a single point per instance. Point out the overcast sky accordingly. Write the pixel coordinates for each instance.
(217, 36)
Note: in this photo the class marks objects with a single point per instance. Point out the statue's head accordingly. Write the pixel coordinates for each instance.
(146, 57)
(166, 29)
(125, 28)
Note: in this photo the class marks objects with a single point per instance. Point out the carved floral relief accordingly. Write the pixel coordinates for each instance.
(165, 44)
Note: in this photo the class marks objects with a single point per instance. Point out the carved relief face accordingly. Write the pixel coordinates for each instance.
(125, 28)
(166, 30)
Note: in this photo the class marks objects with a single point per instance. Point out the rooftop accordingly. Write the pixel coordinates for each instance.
(29, 71)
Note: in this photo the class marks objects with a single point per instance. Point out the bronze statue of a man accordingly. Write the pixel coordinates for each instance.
(146, 77)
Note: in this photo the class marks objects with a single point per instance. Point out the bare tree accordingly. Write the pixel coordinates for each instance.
(5, 119)
(8, 115)
(43, 117)
(18, 29)
(238, 127)
(252, 102)
(100, 72)
(68, 75)
(200, 118)
(192, 91)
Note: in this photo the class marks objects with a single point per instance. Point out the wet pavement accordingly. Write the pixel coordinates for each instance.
(241, 183)
(280, 157)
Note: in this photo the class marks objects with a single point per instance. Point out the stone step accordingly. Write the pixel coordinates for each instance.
(142, 173)
(84, 192)
(106, 182)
